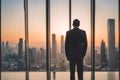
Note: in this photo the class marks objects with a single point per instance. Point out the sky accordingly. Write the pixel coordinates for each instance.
(13, 19)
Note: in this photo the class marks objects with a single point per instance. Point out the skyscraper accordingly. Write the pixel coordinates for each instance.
(103, 54)
(2, 51)
(32, 55)
(7, 45)
(62, 45)
(111, 43)
(2, 48)
(54, 46)
(7, 49)
(20, 49)
(42, 54)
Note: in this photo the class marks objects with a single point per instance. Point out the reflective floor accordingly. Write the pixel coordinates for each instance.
(59, 76)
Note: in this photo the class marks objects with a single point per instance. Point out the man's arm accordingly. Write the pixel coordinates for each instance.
(84, 44)
(67, 44)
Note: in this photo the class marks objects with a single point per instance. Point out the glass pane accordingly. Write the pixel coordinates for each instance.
(59, 26)
(37, 39)
(106, 40)
(13, 39)
(56, 29)
(81, 11)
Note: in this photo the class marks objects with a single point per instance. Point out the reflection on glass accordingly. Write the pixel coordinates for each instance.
(107, 76)
(13, 76)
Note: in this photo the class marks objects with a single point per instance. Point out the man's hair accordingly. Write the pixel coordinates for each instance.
(76, 23)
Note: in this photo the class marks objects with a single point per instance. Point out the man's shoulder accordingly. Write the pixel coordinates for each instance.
(72, 30)
(82, 30)
(68, 31)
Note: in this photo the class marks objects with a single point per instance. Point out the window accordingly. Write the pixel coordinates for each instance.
(106, 40)
(13, 39)
(52, 60)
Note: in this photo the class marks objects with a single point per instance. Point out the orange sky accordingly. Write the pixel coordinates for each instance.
(13, 19)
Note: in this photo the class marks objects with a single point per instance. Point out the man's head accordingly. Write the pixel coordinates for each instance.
(76, 23)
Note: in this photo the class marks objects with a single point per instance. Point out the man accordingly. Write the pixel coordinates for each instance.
(75, 48)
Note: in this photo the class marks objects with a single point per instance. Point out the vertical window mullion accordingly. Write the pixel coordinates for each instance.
(70, 14)
(48, 40)
(26, 38)
(0, 41)
(93, 39)
(119, 34)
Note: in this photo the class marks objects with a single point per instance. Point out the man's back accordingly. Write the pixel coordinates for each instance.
(76, 43)
(75, 48)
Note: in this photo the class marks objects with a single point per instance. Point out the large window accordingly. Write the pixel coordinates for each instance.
(59, 26)
(37, 35)
(41, 56)
(13, 39)
(37, 39)
(81, 11)
(106, 40)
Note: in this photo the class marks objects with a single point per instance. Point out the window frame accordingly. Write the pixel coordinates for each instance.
(92, 7)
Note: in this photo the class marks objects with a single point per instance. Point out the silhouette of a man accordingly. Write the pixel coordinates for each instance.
(75, 48)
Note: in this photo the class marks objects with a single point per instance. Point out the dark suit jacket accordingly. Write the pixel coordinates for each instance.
(75, 44)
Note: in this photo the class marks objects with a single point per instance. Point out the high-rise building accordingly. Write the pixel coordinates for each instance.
(62, 45)
(111, 43)
(97, 59)
(42, 54)
(7, 45)
(32, 55)
(54, 46)
(103, 54)
(7, 49)
(117, 58)
(20, 49)
(2, 51)
(2, 48)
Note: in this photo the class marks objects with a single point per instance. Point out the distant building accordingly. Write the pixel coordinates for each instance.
(111, 43)
(117, 58)
(103, 54)
(7, 49)
(7, 45)
(20, 55)
(32, 55)
(54, 46)
(42, 58)
(97, 59)
(62, 45)
(2, 50)
(42, 54)
(20, 49)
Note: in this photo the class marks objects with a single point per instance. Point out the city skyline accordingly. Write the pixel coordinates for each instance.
(105, 56)
(37, 56)
(43, 57)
